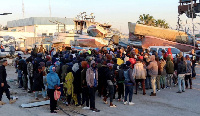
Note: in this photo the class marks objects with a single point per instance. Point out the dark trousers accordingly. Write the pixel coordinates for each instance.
(142, 81)
(79, 98)
(120, 90)
(92, 97)
(53, 102)
(104, 89)
(69, 98)
(25, 81)
(114, 91)
(85, 96)
(188, 77)
(128, 91)
(111, 92)
(6, 91)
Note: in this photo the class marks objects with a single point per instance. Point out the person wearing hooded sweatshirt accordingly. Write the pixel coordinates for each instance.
(77, 82)
(92, 82)
(181, 75)
(139, 73)
(30, 74)
(129, 83)
(159, 74)
(153, 72)
(169, 71)
(163, 72)
(53, 82)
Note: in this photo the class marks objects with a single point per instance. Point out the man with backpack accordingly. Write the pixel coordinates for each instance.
(129, 82)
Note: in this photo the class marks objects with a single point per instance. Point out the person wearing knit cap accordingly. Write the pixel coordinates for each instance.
(92, 82)
(110, 81)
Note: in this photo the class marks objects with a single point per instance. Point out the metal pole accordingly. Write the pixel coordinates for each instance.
(193, 23)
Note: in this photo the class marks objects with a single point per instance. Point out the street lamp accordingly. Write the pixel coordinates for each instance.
(5, 13)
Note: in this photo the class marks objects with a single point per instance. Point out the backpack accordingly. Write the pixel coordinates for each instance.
(126, 76)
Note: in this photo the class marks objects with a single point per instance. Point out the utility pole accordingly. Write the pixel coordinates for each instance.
(23, 8)
(50, 7)
(193, 22)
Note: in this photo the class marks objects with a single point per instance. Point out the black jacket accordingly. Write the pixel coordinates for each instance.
(38, 81)
(181, 68)
(3, 76)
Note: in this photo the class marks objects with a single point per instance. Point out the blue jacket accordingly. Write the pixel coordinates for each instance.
(52, 79)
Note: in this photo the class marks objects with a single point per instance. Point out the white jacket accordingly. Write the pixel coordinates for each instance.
(139, 72)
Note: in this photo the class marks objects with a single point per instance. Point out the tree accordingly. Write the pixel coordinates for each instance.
(146, 19)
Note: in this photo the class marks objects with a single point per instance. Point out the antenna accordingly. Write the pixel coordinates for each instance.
(50, 7)
(23, 7)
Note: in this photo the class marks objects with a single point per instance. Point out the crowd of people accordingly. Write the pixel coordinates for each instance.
(80, 74)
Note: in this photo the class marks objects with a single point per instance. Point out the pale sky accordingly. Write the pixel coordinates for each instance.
(116, 12)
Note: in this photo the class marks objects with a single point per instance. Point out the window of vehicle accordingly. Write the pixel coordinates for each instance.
(153, 49)
(174, 50)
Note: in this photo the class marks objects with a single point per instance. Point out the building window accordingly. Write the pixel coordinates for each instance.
(44, 34)
(50, 34)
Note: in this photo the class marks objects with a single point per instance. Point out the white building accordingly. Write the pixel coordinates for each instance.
(41, 26)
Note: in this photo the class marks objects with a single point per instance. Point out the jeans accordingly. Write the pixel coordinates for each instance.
(85, 96)
(186, 80)
(181, 80)
(20, 81)
(158, 82)
(128, 91)
(92, 97)
(169, 80)
(148, 83)
(111, 92)
(153, 83)
(162, 80)
(44, 93)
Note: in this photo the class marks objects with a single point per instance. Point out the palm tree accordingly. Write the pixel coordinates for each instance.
(146, 20)
(161, 23)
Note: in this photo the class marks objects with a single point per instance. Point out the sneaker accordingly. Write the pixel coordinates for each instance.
(12, 101)
(183, 91)
(53, 112)
(105, 102)
(95, 110)
(77, 105)
(2, 103)
(113, 106)
(179, 92)
(131, 103)
(119, 100)
(125, 102)
(158, 90)
(86, 108)
(153, 94)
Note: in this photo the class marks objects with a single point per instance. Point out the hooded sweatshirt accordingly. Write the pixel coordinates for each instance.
(169, 66)
(153, 67)
(139, 71)
(52, 79)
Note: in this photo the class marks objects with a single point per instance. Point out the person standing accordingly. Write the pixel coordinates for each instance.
(163, 73)
(169, 71)
(181, 75)
(3, 83)
(153, 71)
(92, 82)
(53, 82)
(188, 74)
(140, 75)
(30, 74)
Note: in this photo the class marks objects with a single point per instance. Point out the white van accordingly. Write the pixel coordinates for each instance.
(160, 48)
